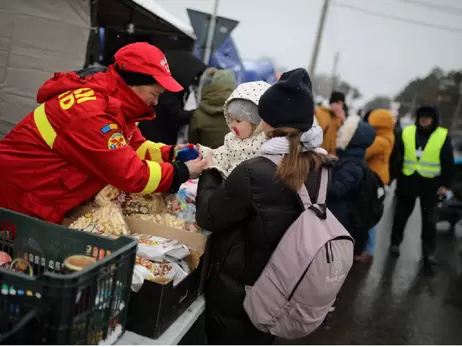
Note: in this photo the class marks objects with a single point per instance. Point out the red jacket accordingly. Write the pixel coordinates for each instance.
(82, 137)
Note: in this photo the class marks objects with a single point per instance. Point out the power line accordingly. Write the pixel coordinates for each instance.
(442, 8)
(400, 19)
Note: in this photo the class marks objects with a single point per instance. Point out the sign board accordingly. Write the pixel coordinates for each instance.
(200, 22)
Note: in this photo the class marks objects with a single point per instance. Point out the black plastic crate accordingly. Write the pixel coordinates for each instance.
(53, 307)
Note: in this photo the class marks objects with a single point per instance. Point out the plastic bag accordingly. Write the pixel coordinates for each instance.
(155, 248)
(155, 270)
(105, 220)
(142, 203)
(181, 268)
(182, 205)
(131, 203)
(163, 219)
(107, 195)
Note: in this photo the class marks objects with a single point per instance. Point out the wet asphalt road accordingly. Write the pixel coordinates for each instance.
(394, 301)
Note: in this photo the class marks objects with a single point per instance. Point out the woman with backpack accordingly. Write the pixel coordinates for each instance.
(378, 160)
(250, 211)
(348, 175)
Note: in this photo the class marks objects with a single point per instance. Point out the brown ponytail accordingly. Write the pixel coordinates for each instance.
(296, 165)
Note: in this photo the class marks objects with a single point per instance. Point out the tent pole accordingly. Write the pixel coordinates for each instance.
(211, 32)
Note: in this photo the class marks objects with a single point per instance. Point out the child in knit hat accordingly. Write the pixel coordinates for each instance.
(245, 137)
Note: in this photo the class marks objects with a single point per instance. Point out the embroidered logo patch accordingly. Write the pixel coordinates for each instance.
(108, 127)
(117, 140)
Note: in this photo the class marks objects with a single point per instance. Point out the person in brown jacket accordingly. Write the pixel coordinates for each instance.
(378, 160)
(330, 120)
(378, 154)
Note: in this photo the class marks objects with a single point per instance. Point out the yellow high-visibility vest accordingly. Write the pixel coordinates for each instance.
(429, 164)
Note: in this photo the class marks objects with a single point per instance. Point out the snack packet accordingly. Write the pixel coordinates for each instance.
(163, 219)
(142, 203)
(182, 205)
(104, 220)
(155, 248)
(107, 195)
(155, 271)
(180, 267)
(131, 203)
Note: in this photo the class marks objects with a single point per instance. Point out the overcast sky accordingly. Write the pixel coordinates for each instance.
(377, 55)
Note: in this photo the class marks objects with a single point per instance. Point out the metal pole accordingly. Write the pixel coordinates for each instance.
(317, 44)
(455, 117)
(334, 70)
(211, 32)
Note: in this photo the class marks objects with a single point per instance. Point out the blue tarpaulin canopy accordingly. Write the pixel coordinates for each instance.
(226, 57)
(260, 70)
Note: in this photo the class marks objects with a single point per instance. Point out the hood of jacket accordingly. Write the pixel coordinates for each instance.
(251, 91)
(215, 94)
(383, 123)
(354, 137)
(428, 111)
(107, 83)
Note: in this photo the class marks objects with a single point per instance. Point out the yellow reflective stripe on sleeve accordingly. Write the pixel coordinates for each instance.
(44, 126)
(154, 151)
(155, 175)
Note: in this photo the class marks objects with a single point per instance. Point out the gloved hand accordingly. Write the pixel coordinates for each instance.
(186, 153)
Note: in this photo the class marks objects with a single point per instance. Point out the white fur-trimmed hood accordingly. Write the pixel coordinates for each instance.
(347, 131)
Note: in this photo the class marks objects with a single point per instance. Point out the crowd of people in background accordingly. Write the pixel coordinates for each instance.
(420, 159)
(243, 199)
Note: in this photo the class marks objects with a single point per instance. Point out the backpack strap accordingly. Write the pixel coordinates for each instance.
(320, 206)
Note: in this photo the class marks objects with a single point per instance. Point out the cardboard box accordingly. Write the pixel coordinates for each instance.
(156, 306)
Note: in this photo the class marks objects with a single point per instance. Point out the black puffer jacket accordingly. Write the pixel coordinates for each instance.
(170, 114)
(248, 214)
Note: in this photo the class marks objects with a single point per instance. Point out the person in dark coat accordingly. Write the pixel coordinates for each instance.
(395, 155)
(249, 212)
(348, 173)
(412, 185)
(170, 113)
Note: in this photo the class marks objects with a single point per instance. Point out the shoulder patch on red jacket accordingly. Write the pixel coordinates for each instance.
(116, 140)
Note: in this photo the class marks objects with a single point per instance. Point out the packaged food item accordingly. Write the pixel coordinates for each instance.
(145, 269)
(177, 252)
(152, 271)
(107, 195)
(155, 248)
(131, 203)
(182, 205)
(163, 219)
(142, 203)
(104, 220)
(181, 269)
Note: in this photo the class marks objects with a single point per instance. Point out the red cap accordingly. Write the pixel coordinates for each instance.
(142, 57)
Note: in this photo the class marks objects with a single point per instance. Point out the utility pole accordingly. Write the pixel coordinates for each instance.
(317, 43)
(334, 70)
(455, 117)
(211, 32)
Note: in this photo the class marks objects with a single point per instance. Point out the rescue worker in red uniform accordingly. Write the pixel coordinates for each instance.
(83, 136)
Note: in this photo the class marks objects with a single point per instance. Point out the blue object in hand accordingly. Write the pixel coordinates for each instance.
(187, 154)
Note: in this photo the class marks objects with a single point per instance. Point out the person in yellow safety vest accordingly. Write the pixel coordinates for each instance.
(426, 168)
